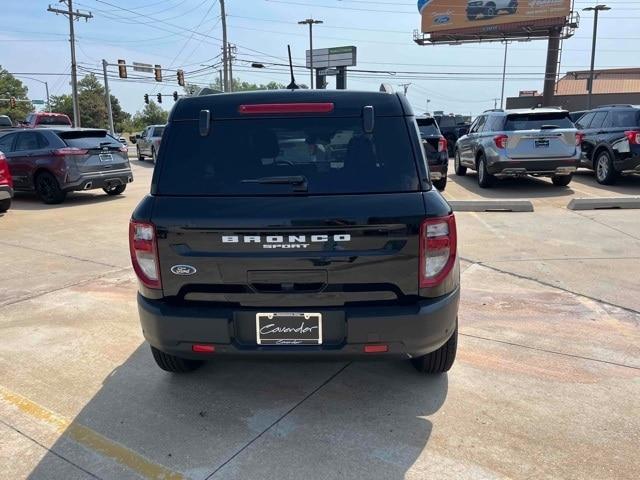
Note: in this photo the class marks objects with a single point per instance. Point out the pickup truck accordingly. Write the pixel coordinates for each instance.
(5, 122)
(295, 223)
(148, 143)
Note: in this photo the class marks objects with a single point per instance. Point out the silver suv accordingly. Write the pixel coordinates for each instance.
(513, 143)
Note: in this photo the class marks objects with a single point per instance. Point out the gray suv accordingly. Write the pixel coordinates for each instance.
(514, 143)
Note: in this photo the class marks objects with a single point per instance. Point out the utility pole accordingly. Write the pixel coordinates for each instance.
(46, 87)
(504, 71)
(311, 22)
(107, 95)
(221, 80)
(72, 39)
(405, 86)
(596, 10)
(223, 17)
(230, 59)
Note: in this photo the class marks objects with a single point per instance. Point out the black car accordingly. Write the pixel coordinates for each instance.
(435, 147)
(452, 128)
(54, 161)
(610, 143)
(289, 223)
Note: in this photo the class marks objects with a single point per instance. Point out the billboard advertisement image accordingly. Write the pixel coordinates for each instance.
(452, 18)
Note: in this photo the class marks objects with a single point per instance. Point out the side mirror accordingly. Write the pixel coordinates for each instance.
(205, 122)
(138, 136)
(368, 119)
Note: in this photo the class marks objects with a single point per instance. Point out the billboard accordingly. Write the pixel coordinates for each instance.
(332, 57)
(468, 19)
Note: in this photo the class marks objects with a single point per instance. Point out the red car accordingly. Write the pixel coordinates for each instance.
(44, 119)
(6, 184)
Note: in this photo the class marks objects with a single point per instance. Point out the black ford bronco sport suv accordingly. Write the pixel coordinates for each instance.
(289, 223)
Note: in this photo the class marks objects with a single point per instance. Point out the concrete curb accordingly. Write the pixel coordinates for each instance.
(604, 203)
(491, 205)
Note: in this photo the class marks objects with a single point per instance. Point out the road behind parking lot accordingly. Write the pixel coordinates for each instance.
(546, 385)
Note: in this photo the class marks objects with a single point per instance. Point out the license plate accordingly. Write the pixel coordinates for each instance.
(106, 157)
(542, 142)
(289, 328)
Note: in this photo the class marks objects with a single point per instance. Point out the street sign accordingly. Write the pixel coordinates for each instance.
(37, 102)
(142, 67)
(332, 57)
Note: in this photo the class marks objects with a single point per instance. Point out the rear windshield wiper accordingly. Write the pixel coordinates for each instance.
(549, 127)
(299, 181)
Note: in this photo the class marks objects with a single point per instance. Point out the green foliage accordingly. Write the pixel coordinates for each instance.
(10, 86)
(238, 86)
(152, 114)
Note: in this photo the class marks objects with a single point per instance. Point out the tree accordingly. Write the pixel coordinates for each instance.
(238, 86)
(152, 114)
(10, 86)
(93, 108)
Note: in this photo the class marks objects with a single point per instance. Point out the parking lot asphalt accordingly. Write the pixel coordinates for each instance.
(546, 384)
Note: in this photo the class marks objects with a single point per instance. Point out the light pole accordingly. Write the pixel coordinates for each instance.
(596, 10)
(311, 22)
(46, 87)
(504, 72)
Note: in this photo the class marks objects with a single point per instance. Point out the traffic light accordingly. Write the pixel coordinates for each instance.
(175, 96)
(158, 73)
(146, 98)
(159, 98)
(12, 102)
(181, 78)
(122, 69)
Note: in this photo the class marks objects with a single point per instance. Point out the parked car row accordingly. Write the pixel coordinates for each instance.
(547, 142)
(54, 161)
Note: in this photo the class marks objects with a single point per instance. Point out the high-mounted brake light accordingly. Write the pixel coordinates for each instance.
(442, 144)
(579, 138)
(5, 174)
(267, 108)
(63, 152)
(501, 141)
(438, 246)
(633, 136)
(144, 253)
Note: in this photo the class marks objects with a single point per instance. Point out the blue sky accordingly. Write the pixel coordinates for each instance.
(34, 40)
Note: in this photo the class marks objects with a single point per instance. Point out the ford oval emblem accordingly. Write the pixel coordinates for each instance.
(442, 19)
(183, 270)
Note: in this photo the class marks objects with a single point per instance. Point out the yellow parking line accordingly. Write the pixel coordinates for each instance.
(90, 439)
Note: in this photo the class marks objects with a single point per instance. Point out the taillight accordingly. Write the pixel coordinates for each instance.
(63, 152)
(438, 244)
(442, 144)
(579, 138)
(124, 149)
(144, 253)
(266, 108)
(5, 174)
(501, 141)
(633, 136)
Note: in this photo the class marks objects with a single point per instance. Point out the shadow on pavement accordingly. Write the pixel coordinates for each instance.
(30, 201)
(525, 187)
(147, 162)
(626, 185)
(270, 418)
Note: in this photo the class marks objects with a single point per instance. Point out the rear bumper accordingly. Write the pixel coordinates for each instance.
(628, 166)
(6, 192)
(408, 330)
(515, 168)
(93, 180)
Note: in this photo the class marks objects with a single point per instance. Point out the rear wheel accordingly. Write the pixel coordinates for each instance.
(460, 169)
(485, 179)
(171, 363)
(140, 156)
(439, 361)
(5, 205)
(440, 184)
(153, 155)
(115, 190)
(490, 11)
(561, 180)
(48, 189)
(605, 172)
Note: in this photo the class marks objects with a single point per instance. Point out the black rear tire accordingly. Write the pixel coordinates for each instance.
(485, 179)
(439, 361)
(5, 205)
(460, 169)
(153, 155)
(48, 189)
(140, 156)
(171, 363)
(440, 184)
(605, 171)
(561, 180)
(117, 190)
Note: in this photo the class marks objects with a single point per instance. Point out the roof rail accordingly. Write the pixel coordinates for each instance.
(615, 105)
(494, 110)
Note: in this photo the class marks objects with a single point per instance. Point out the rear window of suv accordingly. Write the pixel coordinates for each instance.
(89, 139)
(536, 121)
(334, 155)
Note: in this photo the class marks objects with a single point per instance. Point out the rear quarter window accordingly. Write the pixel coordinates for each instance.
(333, 154)
(625, 118)
(536, 121)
